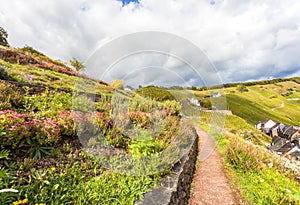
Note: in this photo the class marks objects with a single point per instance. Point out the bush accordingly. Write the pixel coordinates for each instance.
(10, 96)
(47, 104)
(117, 84)
(242, 88)
(139, 103)
(140, 119)
(156, 93)
(144, 145)
(117, 138)
(18, 130)
(66, 123)
(206, 103)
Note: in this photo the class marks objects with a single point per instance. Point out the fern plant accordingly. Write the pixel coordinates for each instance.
(4, 154)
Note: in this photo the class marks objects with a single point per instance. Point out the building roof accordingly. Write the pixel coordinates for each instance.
(269, 123)
(275, 126)
(290, 131)
(295, 152)
(285, 148)
(278, 140)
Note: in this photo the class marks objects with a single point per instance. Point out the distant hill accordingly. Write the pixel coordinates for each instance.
(277, 99)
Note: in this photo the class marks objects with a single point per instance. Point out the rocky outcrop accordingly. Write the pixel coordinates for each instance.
(3, 73)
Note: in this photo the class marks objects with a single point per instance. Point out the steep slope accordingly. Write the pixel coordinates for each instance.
(279, 102)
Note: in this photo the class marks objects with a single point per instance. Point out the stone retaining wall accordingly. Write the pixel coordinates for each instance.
(175, 189)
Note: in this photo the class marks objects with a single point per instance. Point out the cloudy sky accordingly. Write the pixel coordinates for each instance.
(244, 40)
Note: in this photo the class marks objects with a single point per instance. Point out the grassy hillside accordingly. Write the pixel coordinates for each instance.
(43, 135)
(38, 69)
(279, 102)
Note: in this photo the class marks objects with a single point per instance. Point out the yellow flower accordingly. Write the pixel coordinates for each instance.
(53, 168)
(16, 203)
(24, 201)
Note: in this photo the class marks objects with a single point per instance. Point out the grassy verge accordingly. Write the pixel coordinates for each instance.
(255, 170)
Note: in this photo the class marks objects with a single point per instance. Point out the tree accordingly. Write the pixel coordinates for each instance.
(156, 93)
(242, 88)
(194, 88)
(206, 103)
(3, 37)
(77, 64)
(117, 84)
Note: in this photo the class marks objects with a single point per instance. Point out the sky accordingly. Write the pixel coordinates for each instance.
(243, 40)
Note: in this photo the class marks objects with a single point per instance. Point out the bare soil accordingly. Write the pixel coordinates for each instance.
(211, 185)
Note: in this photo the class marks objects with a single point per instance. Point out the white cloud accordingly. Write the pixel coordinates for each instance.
(244, 39)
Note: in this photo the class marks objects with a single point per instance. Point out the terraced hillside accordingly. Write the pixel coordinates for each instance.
(277, 101)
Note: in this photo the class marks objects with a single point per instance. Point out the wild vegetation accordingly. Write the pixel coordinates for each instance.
(257, 172)
(156, 93)
(40, 121)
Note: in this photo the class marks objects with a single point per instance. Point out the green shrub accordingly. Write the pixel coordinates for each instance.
(206, 103)
(144, 145)
(242, 88)
(46, 104)
(10, 96)
(156, 93)
(117, 138)
(138, 103)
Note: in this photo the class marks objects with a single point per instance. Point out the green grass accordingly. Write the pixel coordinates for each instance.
(76, 178)
(51, 78)
(263, 102)
(258, 174)
(236, 125)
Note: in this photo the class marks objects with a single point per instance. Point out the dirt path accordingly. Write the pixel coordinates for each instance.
(281, 106)
(210, 183)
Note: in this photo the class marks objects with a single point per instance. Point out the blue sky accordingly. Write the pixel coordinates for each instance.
(128, 1)
(244, 40)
